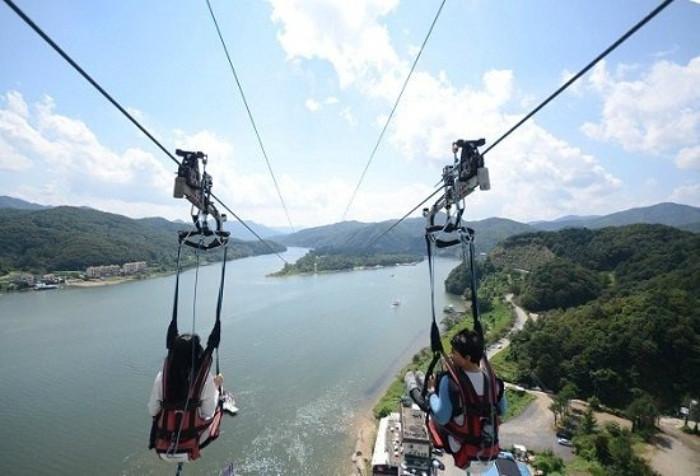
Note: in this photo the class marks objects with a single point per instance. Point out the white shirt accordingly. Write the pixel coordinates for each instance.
(209, 397)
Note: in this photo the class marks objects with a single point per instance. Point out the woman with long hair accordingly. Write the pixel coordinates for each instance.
(182, 366)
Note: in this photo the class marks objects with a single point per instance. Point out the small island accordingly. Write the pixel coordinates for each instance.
(319, 262)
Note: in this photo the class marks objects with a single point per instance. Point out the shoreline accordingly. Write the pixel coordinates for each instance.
(115, 280)
(330, 271)
(363, 428)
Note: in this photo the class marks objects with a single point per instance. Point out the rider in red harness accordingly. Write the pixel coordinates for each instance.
(185, 402)
(466, 403)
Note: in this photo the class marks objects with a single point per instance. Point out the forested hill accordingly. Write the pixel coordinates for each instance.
(70, 238)
(352, 237)
(621, 317)
(11, 202)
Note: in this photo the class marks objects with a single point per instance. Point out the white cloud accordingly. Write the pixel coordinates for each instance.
(330, 100)
(689, 194)
(76, 166)
(655, 113)
(69, 147)
(534, 174)
(689, 158)
(347, 34)
(10, 159)
(346, 113)
(312, 105)
(669, 52)
(576, 87)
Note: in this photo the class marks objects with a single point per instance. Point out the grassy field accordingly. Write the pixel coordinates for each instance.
(517, 402)
(504, 367)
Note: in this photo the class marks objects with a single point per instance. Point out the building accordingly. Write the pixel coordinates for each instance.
(415, 442)
(386, 455)
(95, 272)
(134, 267)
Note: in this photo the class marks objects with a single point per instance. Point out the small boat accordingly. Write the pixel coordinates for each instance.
(396, 303)
(449, 309)
(43, 286)
(228, 403)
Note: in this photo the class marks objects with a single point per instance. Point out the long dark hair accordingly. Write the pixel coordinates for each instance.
(186, 351)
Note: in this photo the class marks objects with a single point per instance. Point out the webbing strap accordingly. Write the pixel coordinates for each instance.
(435, 339)
(215, 335)
(172, 328)
(467, 242)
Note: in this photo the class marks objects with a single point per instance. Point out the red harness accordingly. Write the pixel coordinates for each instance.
(178, 429)
(478, 433)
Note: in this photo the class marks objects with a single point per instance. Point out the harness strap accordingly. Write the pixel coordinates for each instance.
(172, 328)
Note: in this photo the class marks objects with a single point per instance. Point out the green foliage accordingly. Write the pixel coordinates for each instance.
(518, 401)
(642, 412)
(504, 365)
(610, 449)
(458, 282)
(559, 284)
(316, 262)
(645, 321)
(548, 463)
(70, 238)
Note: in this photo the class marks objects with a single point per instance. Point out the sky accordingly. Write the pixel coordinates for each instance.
(321, 77)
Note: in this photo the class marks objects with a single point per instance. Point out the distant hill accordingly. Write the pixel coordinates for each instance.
(671, 214)
(71, 238)
(239, 231)
(16, 203)
(353, 237)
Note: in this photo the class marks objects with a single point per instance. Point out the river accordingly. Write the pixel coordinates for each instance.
(304, 355)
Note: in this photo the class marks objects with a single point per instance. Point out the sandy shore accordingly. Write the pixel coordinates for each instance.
(98, 283)
(366, 429)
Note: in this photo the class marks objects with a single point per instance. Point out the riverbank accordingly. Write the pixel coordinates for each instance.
(313, 263)
(76, 282)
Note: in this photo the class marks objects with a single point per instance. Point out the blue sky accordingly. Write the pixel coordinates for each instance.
(321, 76)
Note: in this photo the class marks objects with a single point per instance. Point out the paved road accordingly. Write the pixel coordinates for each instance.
(521, 318)
(534, 428)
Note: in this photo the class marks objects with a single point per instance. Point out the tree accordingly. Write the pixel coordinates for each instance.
(643, 413)
(588, 422)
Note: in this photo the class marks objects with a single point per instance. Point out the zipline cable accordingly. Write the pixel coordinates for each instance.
(574, 78)
(121, 109)
(250, 115)
(561, 89)
(393, 110)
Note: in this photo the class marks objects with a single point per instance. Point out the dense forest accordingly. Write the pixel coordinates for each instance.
(70, 238)
(621, 313)
(320, 261)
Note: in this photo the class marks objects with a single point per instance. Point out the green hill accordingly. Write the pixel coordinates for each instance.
(70, 238)
(16, 203)
(623, 314)
(408, 237)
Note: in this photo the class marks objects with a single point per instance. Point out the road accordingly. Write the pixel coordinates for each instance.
(674, 452)
(534, 428)
(521, 318)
